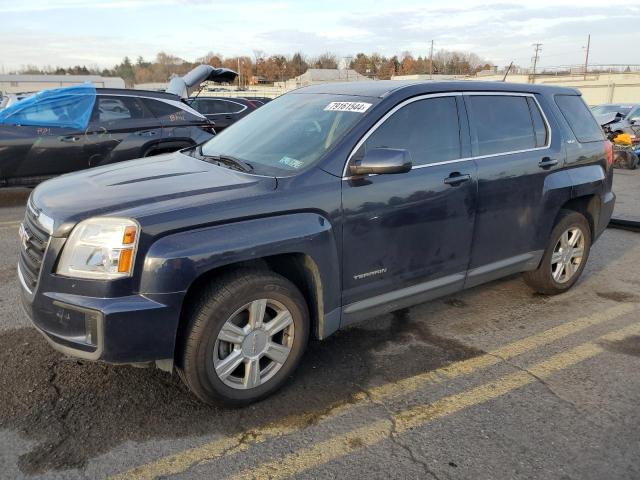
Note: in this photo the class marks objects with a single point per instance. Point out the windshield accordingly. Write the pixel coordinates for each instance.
(291, 133)
(602, 109)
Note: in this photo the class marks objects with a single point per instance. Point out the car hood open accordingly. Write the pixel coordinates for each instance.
(143, 187)
(183, 86)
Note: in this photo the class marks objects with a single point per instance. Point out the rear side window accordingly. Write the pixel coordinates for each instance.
(168, 111)
(224, 106)
(579, 118)
(502, 123)
(428, 128)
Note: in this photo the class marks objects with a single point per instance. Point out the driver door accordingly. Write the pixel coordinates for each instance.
(407, 237)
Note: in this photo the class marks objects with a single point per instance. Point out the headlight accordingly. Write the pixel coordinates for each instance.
(101, 248)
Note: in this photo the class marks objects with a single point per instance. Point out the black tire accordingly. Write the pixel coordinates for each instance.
(217, 303)
(541, 279)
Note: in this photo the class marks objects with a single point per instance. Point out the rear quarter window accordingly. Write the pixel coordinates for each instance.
(579, 117)
(170, 112)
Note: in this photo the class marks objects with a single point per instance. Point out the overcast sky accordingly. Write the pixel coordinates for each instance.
(102, 32)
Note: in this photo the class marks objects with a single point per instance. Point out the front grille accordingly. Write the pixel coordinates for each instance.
(34, 243)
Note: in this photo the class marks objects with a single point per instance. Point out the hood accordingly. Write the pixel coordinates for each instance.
(608, 118)
(142, 187)
(183, 86)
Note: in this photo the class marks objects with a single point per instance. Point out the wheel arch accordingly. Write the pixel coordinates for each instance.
(299, 268)
(302, 249)
(587, 205)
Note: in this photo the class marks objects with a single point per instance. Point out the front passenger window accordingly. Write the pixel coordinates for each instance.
(428, 128)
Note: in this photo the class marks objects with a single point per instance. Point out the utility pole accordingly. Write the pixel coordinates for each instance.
(431, 62)
(586, 60)
(239, 73)
(535, 60)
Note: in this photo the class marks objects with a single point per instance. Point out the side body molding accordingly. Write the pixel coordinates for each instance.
(174, 262)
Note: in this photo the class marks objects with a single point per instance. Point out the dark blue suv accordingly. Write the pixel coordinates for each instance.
(328, 206)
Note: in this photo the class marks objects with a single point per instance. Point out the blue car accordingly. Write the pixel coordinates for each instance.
(327, 206)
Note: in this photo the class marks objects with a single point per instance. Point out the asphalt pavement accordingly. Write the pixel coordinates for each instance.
(494, 382)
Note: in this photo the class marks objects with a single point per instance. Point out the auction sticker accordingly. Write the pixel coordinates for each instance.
(358, 107)
(291, 162)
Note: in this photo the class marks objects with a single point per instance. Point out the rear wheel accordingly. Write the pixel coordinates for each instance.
(245, 337)
(565, 256)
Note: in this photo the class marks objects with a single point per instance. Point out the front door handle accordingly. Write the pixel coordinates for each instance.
(456, 178)
(547, 162)
(70, 138)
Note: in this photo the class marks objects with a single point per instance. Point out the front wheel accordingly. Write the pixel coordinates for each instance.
(565, 257)
(245, 337)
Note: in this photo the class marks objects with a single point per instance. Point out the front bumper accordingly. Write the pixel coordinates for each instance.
(130, 329)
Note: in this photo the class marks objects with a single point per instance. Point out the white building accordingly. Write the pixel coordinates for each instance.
(315, 76)
(35, 83)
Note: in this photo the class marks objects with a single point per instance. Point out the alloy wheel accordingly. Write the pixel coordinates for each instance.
(567, 255)
(253, 344)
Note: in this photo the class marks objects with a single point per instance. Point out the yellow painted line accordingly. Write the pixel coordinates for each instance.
(9, 224)
(342, 445)
(179, 462)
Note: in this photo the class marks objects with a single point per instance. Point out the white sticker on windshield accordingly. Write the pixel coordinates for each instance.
(358, 107)
(291, 162)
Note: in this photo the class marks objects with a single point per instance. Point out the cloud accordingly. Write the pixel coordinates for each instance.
(69, 32)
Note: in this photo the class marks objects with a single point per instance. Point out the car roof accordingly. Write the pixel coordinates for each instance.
(621, 104)
(383, 88)
(136, 93)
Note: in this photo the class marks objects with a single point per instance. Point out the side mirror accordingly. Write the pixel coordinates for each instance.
(382, 160)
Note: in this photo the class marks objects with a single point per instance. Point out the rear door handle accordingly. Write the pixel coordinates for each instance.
(547, 162)
(456, 178)
(70, 138)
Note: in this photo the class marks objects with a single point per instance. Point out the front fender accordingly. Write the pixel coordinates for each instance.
(174, 262)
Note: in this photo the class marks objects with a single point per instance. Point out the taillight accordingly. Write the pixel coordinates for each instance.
(608, 148)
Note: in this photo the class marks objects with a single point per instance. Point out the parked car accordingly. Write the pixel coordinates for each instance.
(624, 144)
(329, 205)
(10, 98)
(64, 130)
(627, 119)
(222, 111)
(123, 124)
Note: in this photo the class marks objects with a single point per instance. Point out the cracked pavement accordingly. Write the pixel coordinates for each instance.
(355, 394)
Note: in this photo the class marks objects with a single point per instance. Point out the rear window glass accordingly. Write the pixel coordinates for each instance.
(501, 123)
(579, 118)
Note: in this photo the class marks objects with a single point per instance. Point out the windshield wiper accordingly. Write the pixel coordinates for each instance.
(227, 160)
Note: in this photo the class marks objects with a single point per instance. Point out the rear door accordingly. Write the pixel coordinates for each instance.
(121, 128)
(407, 237)
(178, 120)
(514, 151)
